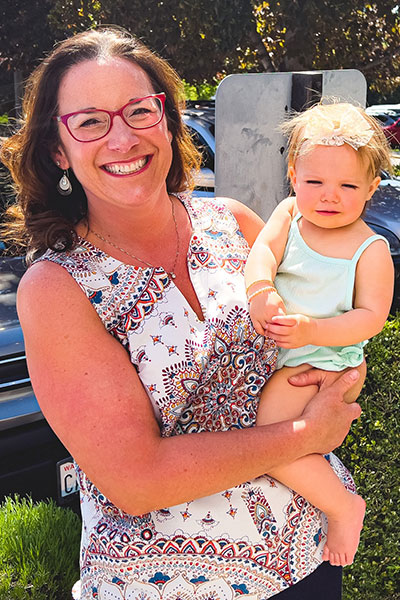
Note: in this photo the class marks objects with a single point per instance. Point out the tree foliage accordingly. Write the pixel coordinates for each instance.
(199, 37)
(25, 33)
(333, 34)
(205, 39)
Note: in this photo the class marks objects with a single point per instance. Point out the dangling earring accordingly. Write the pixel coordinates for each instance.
(64, 186)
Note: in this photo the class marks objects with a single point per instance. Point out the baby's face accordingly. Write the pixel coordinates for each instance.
(332, 185)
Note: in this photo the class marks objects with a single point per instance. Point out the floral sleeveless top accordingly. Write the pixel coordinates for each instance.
(253, 540)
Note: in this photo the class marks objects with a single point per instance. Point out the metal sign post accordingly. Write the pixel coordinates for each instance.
(250, 149)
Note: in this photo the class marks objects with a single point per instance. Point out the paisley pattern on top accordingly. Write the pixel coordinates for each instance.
(253, 540)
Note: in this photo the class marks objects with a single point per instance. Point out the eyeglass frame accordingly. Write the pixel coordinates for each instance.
(112, 113)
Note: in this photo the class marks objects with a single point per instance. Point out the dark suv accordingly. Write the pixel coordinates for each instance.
(32, 459)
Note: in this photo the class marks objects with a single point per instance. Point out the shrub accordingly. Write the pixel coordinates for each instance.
(200, 91)
(39, 550)
(371, 452)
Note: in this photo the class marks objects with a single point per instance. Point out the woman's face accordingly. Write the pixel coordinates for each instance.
(127, 167)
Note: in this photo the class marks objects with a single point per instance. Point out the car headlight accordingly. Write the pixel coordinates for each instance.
(394, 242)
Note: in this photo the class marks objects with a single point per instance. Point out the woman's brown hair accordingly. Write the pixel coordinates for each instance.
(41, 218)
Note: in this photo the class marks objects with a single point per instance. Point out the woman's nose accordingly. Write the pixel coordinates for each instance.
(121, 137)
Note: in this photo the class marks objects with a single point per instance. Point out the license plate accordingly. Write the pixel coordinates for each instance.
(67, 480)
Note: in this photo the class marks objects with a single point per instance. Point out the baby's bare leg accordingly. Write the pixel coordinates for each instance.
(312, 476)
(280, 400)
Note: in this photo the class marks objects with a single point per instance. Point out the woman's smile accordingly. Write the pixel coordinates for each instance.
(124, 168)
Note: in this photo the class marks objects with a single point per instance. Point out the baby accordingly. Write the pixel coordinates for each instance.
(320, 282)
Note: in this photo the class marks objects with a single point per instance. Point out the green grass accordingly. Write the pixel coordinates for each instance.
(372, 453)
(39, 550)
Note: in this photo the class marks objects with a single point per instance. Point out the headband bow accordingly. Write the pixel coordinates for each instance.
(353, 130)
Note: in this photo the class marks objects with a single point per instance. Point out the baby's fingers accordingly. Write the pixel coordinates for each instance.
(260, 327)
(281, 331)
(285, 320)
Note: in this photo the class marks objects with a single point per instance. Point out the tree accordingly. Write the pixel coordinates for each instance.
(333, 34)
(202, 38)
(206, 39)
(25, 33)
(199, 37)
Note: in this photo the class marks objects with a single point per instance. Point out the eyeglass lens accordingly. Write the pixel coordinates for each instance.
(90, 125)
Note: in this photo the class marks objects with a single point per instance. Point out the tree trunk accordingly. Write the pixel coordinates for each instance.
(263, 55)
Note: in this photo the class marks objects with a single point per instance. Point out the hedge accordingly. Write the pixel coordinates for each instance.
(371, 452)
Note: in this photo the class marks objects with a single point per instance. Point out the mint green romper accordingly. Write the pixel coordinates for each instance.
(318, 286)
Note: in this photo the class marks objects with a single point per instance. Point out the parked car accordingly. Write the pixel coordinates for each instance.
(32, 459)
(392, 132)
(385, 119)
(386, 114)
(199, 117)
(387, 108)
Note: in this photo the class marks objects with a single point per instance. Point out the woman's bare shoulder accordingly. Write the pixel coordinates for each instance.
(45, 283)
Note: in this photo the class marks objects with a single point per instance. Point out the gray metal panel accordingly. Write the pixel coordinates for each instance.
(248, 143)
(347, 85)
(250, 158)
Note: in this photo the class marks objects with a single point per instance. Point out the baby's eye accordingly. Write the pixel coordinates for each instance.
(350, 186)
(313, 181)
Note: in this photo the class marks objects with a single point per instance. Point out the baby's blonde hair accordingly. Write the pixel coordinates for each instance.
(375, 153)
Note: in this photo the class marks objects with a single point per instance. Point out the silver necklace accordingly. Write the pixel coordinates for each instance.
(171, 273)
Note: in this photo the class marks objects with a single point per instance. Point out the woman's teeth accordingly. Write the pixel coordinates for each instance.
(126, 168)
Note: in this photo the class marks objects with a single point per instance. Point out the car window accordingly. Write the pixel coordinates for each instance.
(202, 146)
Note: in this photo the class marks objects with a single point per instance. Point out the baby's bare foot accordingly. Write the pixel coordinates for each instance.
(344, 532)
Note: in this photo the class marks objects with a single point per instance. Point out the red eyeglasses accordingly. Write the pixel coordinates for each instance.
(95, 123)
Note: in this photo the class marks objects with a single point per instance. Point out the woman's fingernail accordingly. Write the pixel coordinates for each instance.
(354, 375)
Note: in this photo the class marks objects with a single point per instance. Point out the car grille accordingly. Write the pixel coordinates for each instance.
(18, 404)
(13, 372)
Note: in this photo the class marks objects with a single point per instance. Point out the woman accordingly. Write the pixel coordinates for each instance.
(159, 345)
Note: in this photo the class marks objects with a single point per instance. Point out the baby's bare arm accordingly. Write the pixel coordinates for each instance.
(262, 264)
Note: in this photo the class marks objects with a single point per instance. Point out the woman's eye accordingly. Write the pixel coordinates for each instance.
(90, 123)
(138, 111)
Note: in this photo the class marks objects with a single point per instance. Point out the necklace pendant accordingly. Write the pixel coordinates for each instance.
(172, 275)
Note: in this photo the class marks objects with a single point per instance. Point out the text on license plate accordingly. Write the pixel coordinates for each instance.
(67, 480)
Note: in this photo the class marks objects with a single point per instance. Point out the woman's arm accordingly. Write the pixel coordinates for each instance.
(373, 297)
(93, 399)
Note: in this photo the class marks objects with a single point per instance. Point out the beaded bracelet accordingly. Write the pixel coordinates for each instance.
(268, 281)
(268, 288)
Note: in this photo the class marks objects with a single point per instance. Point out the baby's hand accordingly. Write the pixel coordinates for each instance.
(263, 308)
(291, 331)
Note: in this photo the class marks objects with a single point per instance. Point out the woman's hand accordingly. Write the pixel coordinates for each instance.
(328, 417)
(324, 379)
